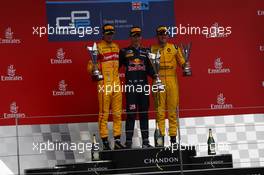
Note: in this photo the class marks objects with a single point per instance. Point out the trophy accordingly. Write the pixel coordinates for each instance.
(186, 49)
(96, 74)
(155, 62)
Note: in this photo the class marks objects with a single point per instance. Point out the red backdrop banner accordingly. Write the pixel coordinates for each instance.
(228, 71)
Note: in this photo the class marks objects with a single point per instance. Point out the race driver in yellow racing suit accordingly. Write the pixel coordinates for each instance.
(171, 57)
(108, 64)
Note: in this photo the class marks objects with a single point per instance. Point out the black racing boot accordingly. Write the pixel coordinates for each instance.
(146, 144)
(106, 146)
(118, 144)
(129, 144)
(173, 141)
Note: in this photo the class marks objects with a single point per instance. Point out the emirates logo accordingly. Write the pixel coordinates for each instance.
(60, 54)
(218, 67)
(215, 32)
(60, 58)
(13, 111)
(62, 85)
(11, 74)
(260, 12)
(9, 37)
(261, 48)
(221, 102)
(62, 89)
(8, 33)
(218, 63)
(13, 108)
(11, 71)
(221, 99)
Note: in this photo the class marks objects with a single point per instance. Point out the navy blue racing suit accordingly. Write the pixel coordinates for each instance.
(138, 68)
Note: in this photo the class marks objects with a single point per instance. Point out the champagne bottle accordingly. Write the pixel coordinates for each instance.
(159, 142)
(211, 143)
(95, 150)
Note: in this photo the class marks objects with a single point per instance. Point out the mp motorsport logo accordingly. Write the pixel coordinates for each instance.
(14, 112)
(221, 103)
(62, 90)
(218, 67)
(9, 37)
(60, 58)
(11, 75)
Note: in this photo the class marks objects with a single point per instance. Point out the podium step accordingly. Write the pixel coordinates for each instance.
(91, 168)
(148, 159)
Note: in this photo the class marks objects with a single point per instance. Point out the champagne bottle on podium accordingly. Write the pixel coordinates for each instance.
(211, 143)
(159, 139)
(95, 150)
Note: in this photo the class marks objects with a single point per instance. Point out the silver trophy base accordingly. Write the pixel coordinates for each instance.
(187, 72)
(97, 77)
(160, 86)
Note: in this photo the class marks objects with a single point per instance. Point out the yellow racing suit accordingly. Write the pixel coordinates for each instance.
(108, 64)
(168, 100)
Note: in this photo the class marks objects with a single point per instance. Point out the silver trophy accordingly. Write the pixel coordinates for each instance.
(186, 49)
(96, 74)
(155, 62)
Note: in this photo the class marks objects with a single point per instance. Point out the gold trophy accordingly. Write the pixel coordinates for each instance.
(186, 49)
(155, 62)
(96, 74)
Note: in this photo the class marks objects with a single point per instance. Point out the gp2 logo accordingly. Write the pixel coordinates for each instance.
(76, 20)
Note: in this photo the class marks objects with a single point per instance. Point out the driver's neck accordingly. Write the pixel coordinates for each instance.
(108, 42)
(135, 45)
(162, 44)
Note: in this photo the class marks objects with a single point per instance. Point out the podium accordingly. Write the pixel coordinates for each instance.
(212, 161)
(145, 161)
(148, 159)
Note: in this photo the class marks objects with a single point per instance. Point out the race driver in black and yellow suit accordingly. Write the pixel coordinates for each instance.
(108, 64)
(168, 101)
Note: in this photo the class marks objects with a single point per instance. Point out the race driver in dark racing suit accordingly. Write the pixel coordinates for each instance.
(138, 67)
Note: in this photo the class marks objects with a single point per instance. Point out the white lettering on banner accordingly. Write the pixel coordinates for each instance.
(62, 90)
(262, 83)
(9, 37)
(211, 162)
(218, 68)
(221, 103)
(260, 12)
(14, 113)
(60, 58)
(98, 169)
(11, 74)
(161, 160)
